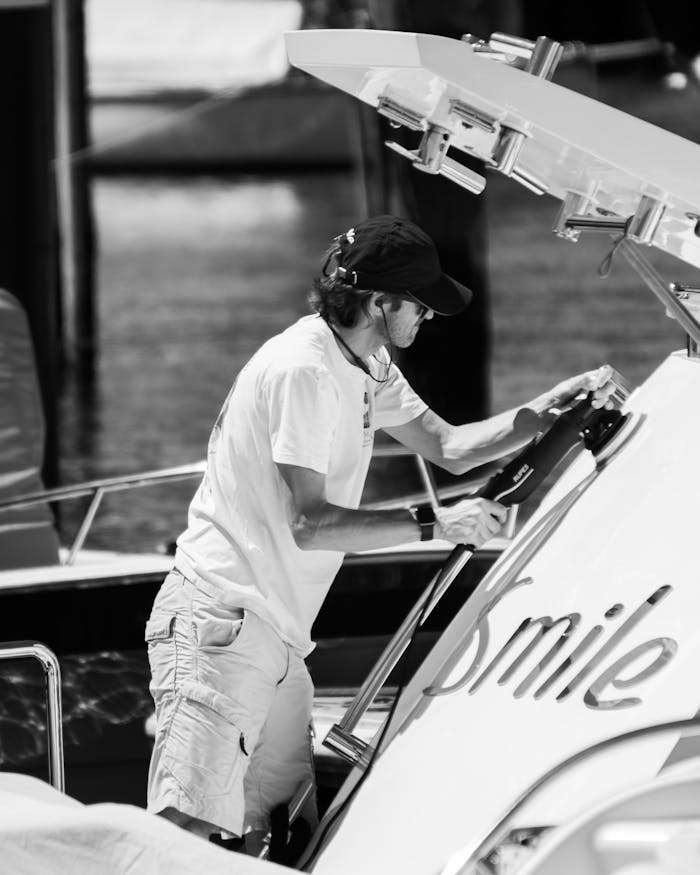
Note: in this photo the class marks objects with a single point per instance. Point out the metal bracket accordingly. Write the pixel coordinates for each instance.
(544, 57)
(540, 58)
(431, 157)
(458, 173)
(529, 180)
(484, 48)
(645, 221)
(348, 746)
(432, 149)
(640, 227)
(601, 224)
(507, 149)
(574, 204)
(399, 115)
(505, 155)
(473, 118)
(682, 303)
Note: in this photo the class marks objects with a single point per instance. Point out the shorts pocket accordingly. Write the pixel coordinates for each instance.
(160, 627)
(162, 654)
(205, 748)
(219, 632)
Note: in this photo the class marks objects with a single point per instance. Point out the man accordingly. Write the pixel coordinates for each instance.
(278, 508)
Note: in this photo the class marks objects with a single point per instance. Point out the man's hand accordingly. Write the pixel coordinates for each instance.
(599, 382)
(471, 521)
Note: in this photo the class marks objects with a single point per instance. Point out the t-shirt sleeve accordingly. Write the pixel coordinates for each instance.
(395, 402)
(303, 408)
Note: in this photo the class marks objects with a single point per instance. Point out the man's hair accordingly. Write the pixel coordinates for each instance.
(338, 302)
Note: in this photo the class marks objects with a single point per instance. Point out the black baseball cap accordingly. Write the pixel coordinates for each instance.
(391, 254)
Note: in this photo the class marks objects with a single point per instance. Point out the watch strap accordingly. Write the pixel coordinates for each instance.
(424, 515)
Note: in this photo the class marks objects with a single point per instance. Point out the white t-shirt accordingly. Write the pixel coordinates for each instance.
(297, 401)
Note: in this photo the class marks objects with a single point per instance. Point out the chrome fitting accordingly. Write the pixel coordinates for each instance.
(431, 157)
(432, 149)
(345, 744)
(602, 224)
(529, 180)
(472, 118)
(573, 204)
(401, 115)
(470, 180)
(485, 50)
(646, 219)
(541, 57)
(473, 41)
(544, 58)
(507, 149)
(639, 227)
(511, 45)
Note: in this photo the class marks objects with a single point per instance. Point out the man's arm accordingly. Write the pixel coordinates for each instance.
(459, 448)
(317, 524)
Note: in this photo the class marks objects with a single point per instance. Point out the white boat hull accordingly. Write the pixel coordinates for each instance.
(621, 559)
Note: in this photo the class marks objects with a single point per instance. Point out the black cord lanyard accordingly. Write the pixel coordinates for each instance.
(358, 361)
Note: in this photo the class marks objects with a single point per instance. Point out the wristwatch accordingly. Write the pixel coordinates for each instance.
(424, 515)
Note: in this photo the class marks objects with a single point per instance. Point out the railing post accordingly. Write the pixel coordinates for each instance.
(54, 711)
(85, 526)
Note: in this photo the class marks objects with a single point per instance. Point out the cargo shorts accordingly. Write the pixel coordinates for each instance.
(233, 712)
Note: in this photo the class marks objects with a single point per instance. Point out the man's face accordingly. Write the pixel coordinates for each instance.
(404, 323)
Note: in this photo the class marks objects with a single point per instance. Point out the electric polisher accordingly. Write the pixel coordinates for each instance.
(599, 430)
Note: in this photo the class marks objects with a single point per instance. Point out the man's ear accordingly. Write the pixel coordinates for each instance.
(380, 301)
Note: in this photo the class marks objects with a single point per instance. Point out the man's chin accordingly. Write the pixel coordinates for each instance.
(405, 343)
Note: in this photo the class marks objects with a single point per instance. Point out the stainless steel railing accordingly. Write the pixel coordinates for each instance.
(340, 738)
(54, 719)
(97, 489)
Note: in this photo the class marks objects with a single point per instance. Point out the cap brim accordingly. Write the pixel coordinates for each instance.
(446, 297)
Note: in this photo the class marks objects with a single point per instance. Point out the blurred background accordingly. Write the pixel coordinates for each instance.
(203, 178)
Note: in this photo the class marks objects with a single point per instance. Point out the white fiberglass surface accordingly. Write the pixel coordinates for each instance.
(614, 593)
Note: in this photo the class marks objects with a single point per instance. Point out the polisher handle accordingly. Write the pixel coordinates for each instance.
(523, 474)
(583, 424)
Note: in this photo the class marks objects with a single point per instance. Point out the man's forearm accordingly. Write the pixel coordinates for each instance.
(476, 443)
(473, 444)
(330, 527)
